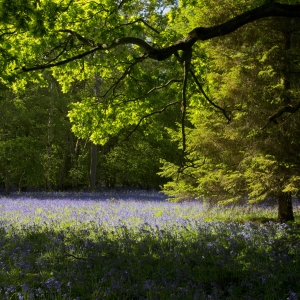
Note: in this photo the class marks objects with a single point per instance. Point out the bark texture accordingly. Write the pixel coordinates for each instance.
(285, 207)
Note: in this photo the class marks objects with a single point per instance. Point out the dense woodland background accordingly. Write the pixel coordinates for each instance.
(216, 121)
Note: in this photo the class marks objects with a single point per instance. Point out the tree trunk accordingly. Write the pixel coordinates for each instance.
(7, 191)
(94, 148)
(74, 158)
(64, 164)
(93, 167)
(285, 207)
(22, 185)
(49, 172)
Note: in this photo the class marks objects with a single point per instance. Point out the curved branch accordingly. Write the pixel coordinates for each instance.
(7, 33)
(280, 112)
(224, 112)
(63, 62)
(64, 9)
(270, 9)
(89, 42)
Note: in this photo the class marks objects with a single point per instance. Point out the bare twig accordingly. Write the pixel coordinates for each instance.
(82, 39)
(156, 88)
(67, 7)
(122, 3)
(224, 112)
(144, 22)
(73, 256)
(61, 52)
(149, 115)
(125, 73)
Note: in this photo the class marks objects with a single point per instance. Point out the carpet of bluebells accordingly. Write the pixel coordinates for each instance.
(137, 245)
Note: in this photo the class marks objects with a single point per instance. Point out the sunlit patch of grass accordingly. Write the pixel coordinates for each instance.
(242, 213)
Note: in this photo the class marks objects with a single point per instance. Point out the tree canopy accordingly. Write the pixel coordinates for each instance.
(119, 40)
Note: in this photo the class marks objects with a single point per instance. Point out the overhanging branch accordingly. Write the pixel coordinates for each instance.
(280, 112)
(269, 9)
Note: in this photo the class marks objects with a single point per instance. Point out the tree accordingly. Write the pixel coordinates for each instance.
(251, 75)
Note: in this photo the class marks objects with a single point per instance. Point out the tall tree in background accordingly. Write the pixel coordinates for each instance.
(24, 138)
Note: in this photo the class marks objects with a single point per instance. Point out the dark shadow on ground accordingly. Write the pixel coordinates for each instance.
(119, 264)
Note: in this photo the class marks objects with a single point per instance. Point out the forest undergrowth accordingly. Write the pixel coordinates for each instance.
(137, 245)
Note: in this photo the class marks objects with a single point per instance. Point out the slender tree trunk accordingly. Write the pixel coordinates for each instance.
(64, 163)
(7, 191)
(94, 148)
(22, 187)
(50, 137)
(93, 167)
(74, 159)
(285, 207)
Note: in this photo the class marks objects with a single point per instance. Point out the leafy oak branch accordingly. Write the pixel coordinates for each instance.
(271, 9)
